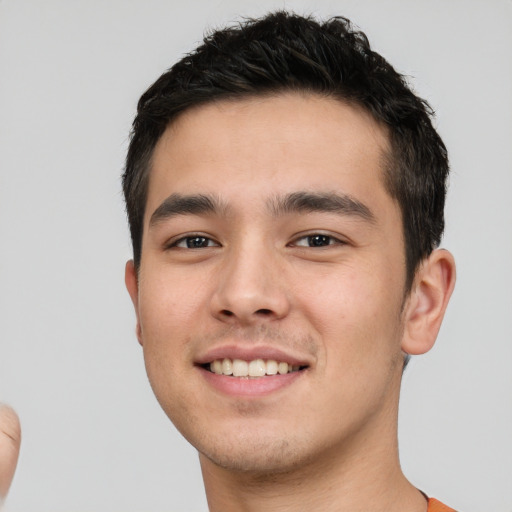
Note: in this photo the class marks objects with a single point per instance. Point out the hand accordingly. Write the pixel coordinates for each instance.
(10, 439)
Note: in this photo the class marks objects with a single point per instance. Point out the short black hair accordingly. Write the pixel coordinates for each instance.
(284, 52)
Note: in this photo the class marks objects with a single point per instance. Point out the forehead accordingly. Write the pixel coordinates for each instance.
(256, 147)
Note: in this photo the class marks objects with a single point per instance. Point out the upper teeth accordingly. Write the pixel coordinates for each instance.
(256, 368)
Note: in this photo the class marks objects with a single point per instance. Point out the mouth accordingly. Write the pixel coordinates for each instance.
(254, 369)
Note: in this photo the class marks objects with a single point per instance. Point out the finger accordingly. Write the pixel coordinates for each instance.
(10, 439)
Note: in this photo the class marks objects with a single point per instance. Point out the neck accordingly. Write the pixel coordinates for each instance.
(348, 479)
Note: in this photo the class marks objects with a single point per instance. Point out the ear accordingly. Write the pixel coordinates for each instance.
(132, 285)
(428, 299)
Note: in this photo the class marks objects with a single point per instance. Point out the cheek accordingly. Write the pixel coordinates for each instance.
(356, 312)
(357, 323)
(169, 308)
(169, 302)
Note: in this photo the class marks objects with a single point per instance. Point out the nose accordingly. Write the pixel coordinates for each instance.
(250, 288)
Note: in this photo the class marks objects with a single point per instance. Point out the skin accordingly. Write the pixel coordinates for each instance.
(328, 440)
(10, 439)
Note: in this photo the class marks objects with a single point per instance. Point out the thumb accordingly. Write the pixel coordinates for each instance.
(10, 438)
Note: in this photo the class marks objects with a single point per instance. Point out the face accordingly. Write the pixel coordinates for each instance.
(271, 283)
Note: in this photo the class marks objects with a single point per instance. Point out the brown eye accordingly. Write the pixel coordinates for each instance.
(194, 242)
(318, 240)
(197, 242)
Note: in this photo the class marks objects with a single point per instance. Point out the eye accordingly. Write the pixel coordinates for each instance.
(194, 242)
(317, 240)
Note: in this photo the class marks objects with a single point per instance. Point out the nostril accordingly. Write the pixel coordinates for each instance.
(264, 312)
(226, 312)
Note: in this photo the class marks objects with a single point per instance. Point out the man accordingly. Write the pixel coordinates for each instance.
(285, 193)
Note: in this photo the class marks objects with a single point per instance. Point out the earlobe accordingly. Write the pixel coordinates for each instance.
(432, 288)
(132, 285)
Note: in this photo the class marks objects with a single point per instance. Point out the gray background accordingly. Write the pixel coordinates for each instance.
(94, 437)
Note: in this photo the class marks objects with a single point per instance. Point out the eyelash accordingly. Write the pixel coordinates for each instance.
(331, 240)
(185, 239)
(309, 238)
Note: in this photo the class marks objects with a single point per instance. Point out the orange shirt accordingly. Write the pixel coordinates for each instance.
(437, 506)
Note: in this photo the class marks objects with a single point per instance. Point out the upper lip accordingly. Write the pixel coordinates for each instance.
(250, 353)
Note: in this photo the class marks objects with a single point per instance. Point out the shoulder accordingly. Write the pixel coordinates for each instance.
(437, 506)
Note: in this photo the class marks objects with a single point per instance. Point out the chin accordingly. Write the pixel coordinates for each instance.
(250, 454)
(254, 463)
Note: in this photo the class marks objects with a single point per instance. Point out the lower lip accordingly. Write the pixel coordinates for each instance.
(246, 387)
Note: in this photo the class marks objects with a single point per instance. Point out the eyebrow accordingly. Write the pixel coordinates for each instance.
(296, 202)
(330, 202)
(178, 204)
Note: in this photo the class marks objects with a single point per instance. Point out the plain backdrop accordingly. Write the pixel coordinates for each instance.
(94, 438)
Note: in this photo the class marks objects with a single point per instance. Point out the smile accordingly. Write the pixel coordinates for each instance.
(251, 369)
